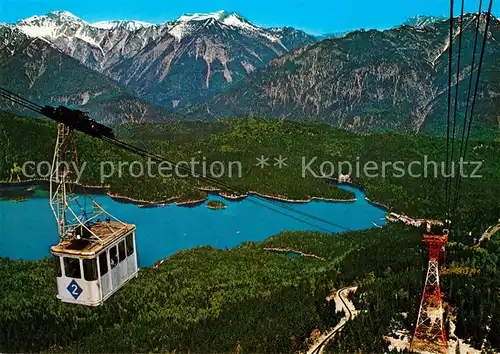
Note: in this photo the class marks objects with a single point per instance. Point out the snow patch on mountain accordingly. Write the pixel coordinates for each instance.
(233, 20)
(222, 16)
(129, 25)
(180, 30)
(423, 21)
(64, 16)
(187, 23)
(80, 34)
(48, 26)
(48, 30)
(54, 17)
(201, 17)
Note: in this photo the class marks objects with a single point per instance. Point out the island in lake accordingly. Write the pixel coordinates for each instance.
(216, 204)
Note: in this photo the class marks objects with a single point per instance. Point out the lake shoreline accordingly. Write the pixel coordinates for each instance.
(378, 205)
(140, 203)
(45, 183)
(105, 189)
(191, 203)
(302, 201)
(228, 229)
(234, 199)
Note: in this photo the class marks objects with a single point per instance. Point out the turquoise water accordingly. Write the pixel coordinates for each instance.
(28, 229)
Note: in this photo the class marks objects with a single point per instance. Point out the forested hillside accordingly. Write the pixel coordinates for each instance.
(246, 140)
(207, 300)
(248, 299)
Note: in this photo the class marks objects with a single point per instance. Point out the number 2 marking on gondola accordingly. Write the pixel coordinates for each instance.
(74, 289)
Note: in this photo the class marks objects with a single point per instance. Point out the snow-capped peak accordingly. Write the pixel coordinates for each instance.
(201, 17)
(61, 16)
(65, 15)
(49, 25)
(129, 25)
(222, 16)
(59, 24)
(183, 25)
(423, 20)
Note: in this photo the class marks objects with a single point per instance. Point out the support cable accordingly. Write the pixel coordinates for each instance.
(474, 98)
(144, 153)
(224, 185)
(19, 100)
(467, 105)
(450, 66)
(457, 86)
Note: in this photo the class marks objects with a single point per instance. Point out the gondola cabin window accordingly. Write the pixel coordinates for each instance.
(113, 257)
(57, 266)
(103, 263)
(130, 245)
(72, 268)
(90, 269)
(121, 250)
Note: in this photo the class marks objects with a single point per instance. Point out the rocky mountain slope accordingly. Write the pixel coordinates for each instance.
(39, 71)
(423, 21)
(370, 80)
(174, 64)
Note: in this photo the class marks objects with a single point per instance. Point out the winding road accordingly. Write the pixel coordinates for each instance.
(488, 233)
(350, 313)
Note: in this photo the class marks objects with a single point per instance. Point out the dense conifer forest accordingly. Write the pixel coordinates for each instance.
(248, 299)
(209, 300)
(243, 141)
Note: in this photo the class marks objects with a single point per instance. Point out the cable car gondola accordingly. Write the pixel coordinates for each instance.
(96, 254)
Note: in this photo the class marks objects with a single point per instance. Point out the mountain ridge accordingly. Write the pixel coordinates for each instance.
(41, 72)
(214, 51)
(391, 80)
(219, 65)
(423, 20)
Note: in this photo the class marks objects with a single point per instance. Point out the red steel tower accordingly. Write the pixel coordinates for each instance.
(430, 335)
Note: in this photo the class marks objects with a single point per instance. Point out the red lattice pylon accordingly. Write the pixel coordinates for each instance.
(430, 335)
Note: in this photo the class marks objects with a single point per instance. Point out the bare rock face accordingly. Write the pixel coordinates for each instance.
(371, 80)
(221, 65)
(424, 21)
(174, 64)
(37, 69)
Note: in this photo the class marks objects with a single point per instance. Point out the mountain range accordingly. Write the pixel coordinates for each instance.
(222, 65)
(173, 64)
(392, 80)
(42, 73)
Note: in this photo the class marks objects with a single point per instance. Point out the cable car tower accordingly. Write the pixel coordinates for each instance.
(96, 253)
(430, 334)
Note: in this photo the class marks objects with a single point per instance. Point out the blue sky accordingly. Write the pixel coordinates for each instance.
(314, 16)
